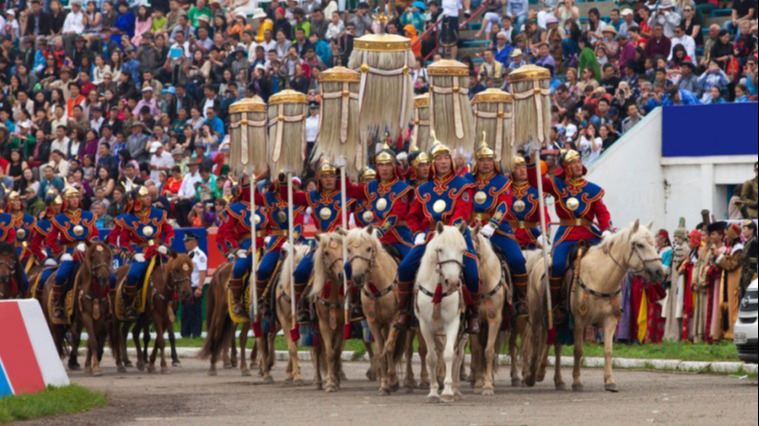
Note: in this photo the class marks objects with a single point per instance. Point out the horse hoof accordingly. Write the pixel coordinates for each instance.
(268, 380)
(395, 387)
(318, 386)
(458, 396)
(384, 392)
(176, 364)
(121, 370)
(245, 373)
(233, 364)
(140, 367)
(488, 392)
(433, 399)
(74, 367)
(228, 366)
(165, 370)
(371, 375)
(578, 388)
(612, 387)
(330, 389)
(128, 364)
(97, 373)
(151, 369)
(424, 385)
(515, 383)
(88, 371)
(298, 382)
(343, 377)
(212, 373)
(288, 381)
(448, 398)
(561, 387)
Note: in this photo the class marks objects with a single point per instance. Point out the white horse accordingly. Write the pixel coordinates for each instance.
(284, 313)
(595, 295)
(440, 273)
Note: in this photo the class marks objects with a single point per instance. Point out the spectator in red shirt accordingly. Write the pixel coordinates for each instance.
(659, 45)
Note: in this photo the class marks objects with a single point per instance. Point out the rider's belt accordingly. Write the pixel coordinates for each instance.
(260, 234)
(482, 217)
(521, 224)
(71, 244)
(572, 223)
(148, 243)
(280, 233)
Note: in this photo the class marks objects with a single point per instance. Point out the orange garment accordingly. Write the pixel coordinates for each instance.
(411, 34)
(267, 24)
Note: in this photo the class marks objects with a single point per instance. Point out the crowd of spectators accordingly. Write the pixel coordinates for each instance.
(105, 96)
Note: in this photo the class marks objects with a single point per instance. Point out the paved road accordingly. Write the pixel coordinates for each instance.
(188, 396)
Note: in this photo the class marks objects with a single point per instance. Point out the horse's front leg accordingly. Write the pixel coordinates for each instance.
(115, 338)
(76, 340)
(449, 356)
(488, 388)
(477, 356)
(428, 336)
(558, 380)
(409, 383)
(173, 342)
(424, 374)
(610, 327)
(160, 342)
(123, 337)
(137, 345)
(329, 350)
(244, 370)
(579, 334)
(380, 361)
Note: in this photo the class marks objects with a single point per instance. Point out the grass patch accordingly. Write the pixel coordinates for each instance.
(50, 402)
(683, 351)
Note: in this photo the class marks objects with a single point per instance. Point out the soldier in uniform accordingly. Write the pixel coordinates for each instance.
(750, 259)
(326, 207)
(72, 229)
(277, 223)
(524, 214)
(447, 199)
(42, 227)
(583, 217)
(143, 233)
(22, 223)
(235, 235)
(419, 172)
(362, 209)
(491, 207)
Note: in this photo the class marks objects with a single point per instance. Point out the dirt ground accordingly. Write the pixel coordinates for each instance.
(188, 396)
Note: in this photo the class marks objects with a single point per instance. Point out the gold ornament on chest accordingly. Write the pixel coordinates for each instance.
(78, 230)
(573, 204)
(21, 233)
(257, 219)
(480, 197)
(148, 231)
(381, 204)
(325, 213)
(439, 206)
(519, 206)
(282, 216)
(368, 217)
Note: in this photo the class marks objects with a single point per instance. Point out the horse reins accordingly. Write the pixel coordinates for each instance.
(370, 262)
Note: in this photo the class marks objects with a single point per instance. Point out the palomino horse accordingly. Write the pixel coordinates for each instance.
(327, 293)
(11, 273)
(90, 311)
(221, 329)
(283, 306)
(173, 277)
(485, 345)
(439, 303)
(594, 297)
(374, 272)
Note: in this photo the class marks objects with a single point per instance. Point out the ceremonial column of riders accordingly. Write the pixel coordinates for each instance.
(446, 255)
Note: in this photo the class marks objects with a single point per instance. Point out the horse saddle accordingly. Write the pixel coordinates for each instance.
(394, 252)
(573, 266)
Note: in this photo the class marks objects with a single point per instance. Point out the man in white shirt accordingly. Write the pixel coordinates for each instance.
(61, 142)
(59, 165)
(665, 15)
(160, 161)
(681, 38)
(192, 322)
(312, 127)
(74, 23)
(187, 193)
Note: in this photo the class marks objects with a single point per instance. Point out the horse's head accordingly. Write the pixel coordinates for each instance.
(179, 275)
(447, 250)
(643, 259)
(330, 254)
(99, 259)
(9, 268)
(363, 246)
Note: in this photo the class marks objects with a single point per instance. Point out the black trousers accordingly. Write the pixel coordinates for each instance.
(192, 318)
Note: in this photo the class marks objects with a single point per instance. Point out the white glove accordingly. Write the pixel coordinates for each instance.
(420, 239)
(67, 258)
(286, 246)
(81, 247)
(50, 262)
(606, 234)
(230, 255)
(242, 254)
(267, 240)
(163, 250)
(139, 258)
(341, 162)
(488, 230)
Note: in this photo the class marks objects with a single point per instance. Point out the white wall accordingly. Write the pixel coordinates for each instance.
(640, 184)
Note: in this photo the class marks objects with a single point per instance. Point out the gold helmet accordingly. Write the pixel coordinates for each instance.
(437, 146)
(13, 196)
(386, 156)
(142, 191)
(367, 175)
(570, 156)
(417, 157)
(71, 191)
(518, 161)
(484, 151)
(325, 167)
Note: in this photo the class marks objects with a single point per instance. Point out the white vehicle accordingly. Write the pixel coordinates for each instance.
(746, 329)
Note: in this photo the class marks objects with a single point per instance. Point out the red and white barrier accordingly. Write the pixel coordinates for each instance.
(29, 361)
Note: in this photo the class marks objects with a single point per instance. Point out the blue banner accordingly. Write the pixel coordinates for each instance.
(710, 130)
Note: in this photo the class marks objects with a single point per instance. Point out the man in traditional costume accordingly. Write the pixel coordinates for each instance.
(731, 263)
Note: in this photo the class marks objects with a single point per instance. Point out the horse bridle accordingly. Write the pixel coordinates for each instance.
(370, 261)
(12, 269)
(634, 252)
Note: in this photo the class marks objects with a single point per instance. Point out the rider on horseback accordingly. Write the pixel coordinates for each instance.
(142, 233)
(42, 228)
(362, 210)
(419, 172)
(578, 204)
(71, 231)
(491, 207)
(326, 207)
(447, 199)
(524, 215)
(235, 236)
(22, 222)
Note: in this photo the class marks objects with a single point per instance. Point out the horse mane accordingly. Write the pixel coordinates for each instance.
(85, 272)
(177, 261)
(320, 273)
(623, 237)
(7, 248)
(299, 252)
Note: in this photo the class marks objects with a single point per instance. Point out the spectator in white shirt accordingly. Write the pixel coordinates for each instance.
(665, 15)
(335, 28)
(192, 321)
(61, 142)
(59, 164)
(160, 160)
(187, 193)
(312, 127)
(74, 23)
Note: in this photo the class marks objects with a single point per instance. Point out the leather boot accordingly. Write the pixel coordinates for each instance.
(130, 312)
(235, 286)
(557, 299)
(263, 299)
(404, 305)
(473, 315)
(304, 316)
(520, 293)
(57, 295)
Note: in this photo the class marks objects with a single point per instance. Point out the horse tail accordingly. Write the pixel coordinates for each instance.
(399, 346)
(218, 320)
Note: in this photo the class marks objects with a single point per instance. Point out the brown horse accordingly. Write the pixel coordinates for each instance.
(221, 329)
(91, 309)
(328, 297)
(11, 273)
(172, 277)
(284, 313)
